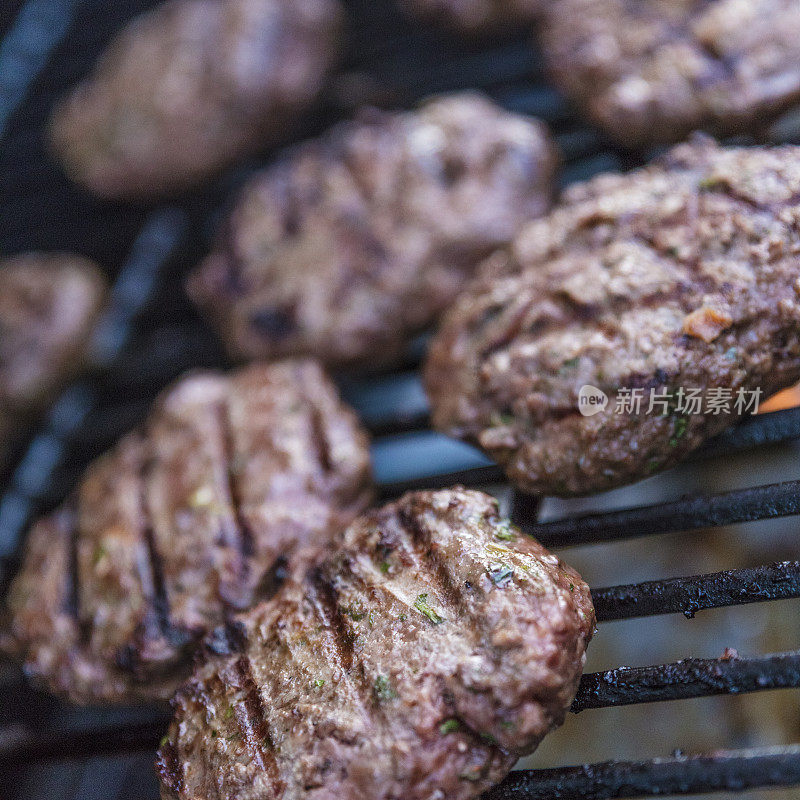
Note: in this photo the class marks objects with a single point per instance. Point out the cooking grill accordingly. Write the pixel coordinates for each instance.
(150, 335)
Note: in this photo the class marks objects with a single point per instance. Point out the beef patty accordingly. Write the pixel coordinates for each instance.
(682, 276)
(49, 304)
(477, 16)
(353, 242)
(420, 660)
(655, 70)
(232, 480)
(191, 86)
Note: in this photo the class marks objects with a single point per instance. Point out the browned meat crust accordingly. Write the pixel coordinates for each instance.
(232, 479)
(48, 306)
(477, 16)
(191, 86)
(435, 647)
(359, 239)
(655, 70)
(685, 274)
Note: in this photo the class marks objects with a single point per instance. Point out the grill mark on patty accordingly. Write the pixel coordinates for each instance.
(160, 597)
(318, 435)
(252, 721)
(325, 598)
(503, 337)
(319, 438)
(246, 538)
(156, 623)
(420, 545)
(238, 536)
(363, 690)
(685, 294)
(772, 209)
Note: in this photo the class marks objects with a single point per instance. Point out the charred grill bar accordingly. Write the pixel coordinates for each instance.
(689, 513)
(690, 595)
(136, 360)
(693, 677)
(732, 771)
(689, 678)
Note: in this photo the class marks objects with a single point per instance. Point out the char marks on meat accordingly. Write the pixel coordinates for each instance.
(353, 242)
(184, 524)
(680, 277)
(434, 647)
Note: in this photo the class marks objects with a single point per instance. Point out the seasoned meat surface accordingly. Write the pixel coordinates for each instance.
(191, 86)
(655, 70)
(233, 480)
(48, 306)
(420, 660)
(353, 242)
(684, 275)
(477, 16)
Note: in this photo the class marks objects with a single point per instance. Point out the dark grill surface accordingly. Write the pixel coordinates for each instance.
(151, 335)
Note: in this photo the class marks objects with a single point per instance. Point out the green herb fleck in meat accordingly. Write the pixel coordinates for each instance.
(422, 605)
(99, 554)
(449, 726)
(569, 364)
(355, 614)
(501, 419)
(383, 689)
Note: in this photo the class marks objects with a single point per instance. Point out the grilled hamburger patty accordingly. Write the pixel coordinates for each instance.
(655, 70)
(48, 306)
(191, 86)
(354, 241)
(477, 16)
(420, 660)
(681, 275)
(233, 479)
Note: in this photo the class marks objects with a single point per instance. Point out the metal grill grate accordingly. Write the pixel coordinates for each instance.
(150, 335)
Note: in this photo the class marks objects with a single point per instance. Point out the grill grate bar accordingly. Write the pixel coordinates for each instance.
(476, 477)
(397, 404)
(692, 594)
(686, 679)
(681, 680)
(34, 475)
(622, 686)
(686, 514)
(22, 745)
(773, 427)
(407, 62)
(732, 771)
